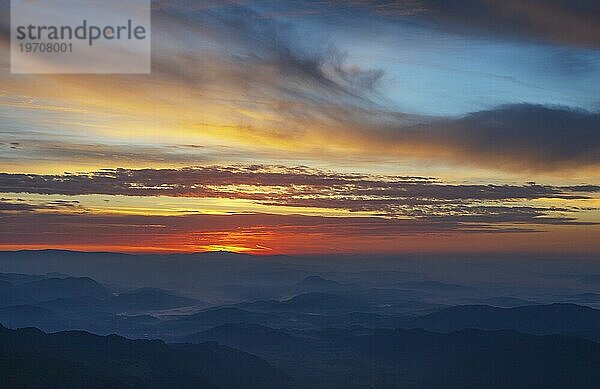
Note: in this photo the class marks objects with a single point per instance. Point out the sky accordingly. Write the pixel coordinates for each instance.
(317, 126)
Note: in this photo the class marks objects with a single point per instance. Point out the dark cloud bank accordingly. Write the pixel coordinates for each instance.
(516, 137)
(419, 198)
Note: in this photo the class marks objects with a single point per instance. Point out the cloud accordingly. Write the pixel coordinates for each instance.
(417, 198)
(569, 22)
(218, 72)
(269, 233)
(516, 137)
(258, 53)
(78, 153)
(225, 75)
(21, 206)
(215, 180)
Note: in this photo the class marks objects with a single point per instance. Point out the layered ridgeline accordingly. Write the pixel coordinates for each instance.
(284, 324)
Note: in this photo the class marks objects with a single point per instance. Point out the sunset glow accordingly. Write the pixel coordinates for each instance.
(276, 128)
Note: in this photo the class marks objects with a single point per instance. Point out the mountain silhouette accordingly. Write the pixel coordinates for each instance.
(467, 359)
(51, 288)
(505, 302)
(533, 319)
(472, 359)
(147, 299)
(243, 336)
(76, 359)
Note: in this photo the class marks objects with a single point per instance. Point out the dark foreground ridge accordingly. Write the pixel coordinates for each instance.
(326, 359)
(30, 358)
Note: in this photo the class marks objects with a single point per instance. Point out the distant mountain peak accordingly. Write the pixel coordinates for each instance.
(317, 280)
